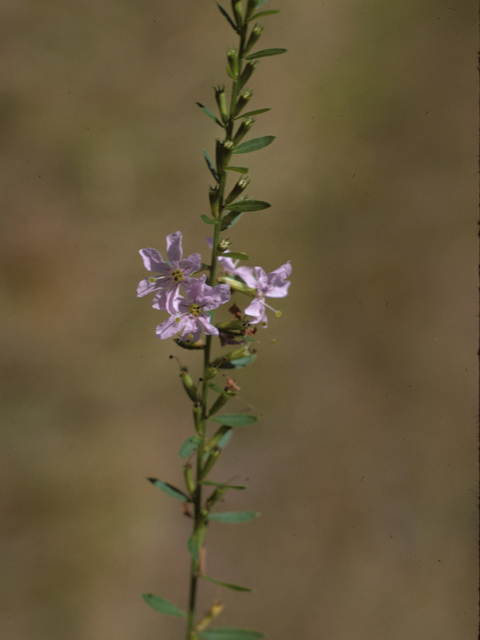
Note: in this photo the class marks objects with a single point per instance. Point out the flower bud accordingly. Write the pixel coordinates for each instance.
(212, 458)
(188, 476)
(247, 72)
(188, 384)
(220, 402)
(215, 496)
(221, 99)
(217, 436)
(236, 285)
(230, 325)
(254, 37)
(242, 101)
(197, 416)
(243, 129)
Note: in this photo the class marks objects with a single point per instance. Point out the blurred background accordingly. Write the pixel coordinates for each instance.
(364, 462)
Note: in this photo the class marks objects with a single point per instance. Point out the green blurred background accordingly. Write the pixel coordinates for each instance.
(364, 462)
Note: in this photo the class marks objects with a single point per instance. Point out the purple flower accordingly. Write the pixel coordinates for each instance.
(230, 267)
(272, 285)
(190, 316)
(172, 273)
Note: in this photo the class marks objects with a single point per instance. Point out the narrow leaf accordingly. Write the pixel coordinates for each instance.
(238, 169)
(189, 446)
(239, 362)
(225, 439)
(259, 3)
(235, 419)
(255, 112)
(224, 13)
(210, 114)
(210, 483)
(236, 255)
(207, 219)
(228, 585)
(254, 145)
(233, 517)
(170, 490)
(230, 634)
(249, 205)
(230, 219)
(264, 53)
(210, 165)
(260, 14)
(163, 606)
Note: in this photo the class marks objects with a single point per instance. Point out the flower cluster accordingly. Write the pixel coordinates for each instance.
(189, 312)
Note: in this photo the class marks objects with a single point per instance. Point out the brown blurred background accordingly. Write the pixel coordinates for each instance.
(363, 464)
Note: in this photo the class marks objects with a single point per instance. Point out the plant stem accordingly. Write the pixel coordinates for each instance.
(197, 495)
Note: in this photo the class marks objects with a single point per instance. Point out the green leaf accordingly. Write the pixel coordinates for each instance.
(225, 439)
(225, 14)
(210, 165)
(259, 3)
(163, 606)
(207, 219)
(235, 419)
(233, 517)
(229, 585)
(255, 112)
(210, 483)
(260, 14)
(254, 145)
(210, 114)
(170, 490)
(236, 255)
(239, 362)
(230, 219)
(189, 446)
(238, 169)
(249, 205)
(265, 52)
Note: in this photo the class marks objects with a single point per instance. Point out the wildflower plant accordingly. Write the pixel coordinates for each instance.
(189, 292)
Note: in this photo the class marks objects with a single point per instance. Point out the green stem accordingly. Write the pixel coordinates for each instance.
(197, 496)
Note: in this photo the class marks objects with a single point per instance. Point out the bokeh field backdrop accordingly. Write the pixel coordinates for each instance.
(364, 461)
